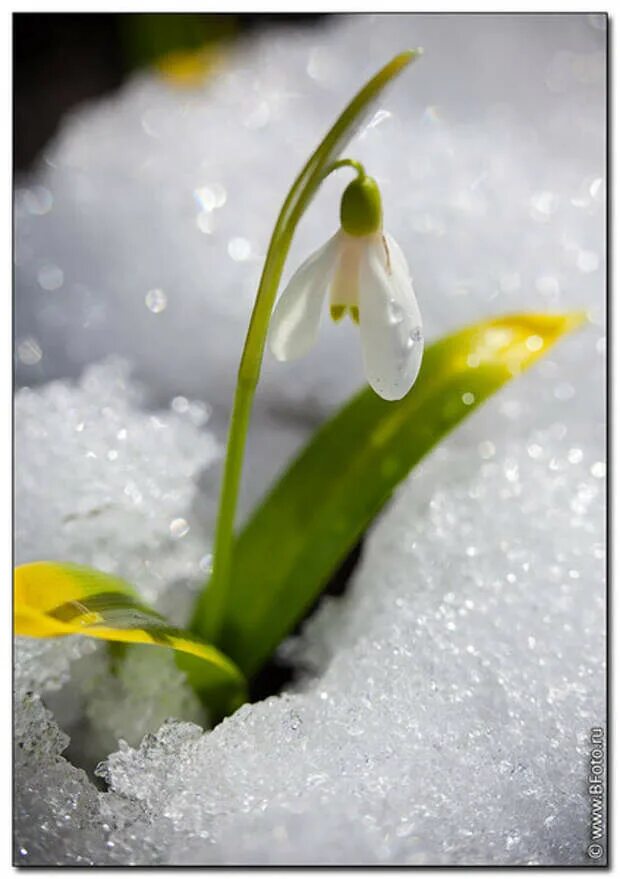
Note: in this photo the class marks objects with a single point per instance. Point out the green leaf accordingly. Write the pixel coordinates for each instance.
(330, 494)
(53, 599)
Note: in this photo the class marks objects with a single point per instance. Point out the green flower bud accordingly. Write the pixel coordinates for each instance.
(360, 209)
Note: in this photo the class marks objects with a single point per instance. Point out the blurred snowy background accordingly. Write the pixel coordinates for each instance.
(445, 705)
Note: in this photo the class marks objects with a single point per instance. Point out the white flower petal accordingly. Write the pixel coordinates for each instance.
(390, 321)
(295, 320)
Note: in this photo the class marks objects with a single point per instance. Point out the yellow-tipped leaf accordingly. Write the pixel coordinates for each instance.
(329, 495)
(54, 599)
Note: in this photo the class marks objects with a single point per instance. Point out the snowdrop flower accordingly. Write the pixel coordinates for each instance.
(368, 278)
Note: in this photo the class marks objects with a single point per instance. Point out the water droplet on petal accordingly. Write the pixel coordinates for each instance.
(415, 337)
(395, 313)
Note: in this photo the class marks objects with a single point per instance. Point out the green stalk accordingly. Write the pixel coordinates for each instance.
(210, 612)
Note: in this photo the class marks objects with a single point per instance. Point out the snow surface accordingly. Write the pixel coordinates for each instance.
(443, 707)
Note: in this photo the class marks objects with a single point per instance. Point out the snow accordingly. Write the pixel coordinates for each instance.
(443, 707)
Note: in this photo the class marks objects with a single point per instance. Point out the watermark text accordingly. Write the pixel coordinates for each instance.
(596, 793)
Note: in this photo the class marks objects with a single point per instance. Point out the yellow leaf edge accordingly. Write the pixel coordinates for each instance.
(56, 599)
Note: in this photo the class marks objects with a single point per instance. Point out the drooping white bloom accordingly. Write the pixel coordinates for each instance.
(366, 275)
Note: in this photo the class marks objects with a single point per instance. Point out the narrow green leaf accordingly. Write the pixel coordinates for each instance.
(330, 494)
(53, 599)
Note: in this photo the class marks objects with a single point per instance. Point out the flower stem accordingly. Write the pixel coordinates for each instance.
(208, 620)
(222, 552)
(347, 163)
(209, 614)
(249, 371)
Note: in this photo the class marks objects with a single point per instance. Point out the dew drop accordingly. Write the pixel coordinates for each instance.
(548, 285)
(50, 277)
(486, 449)
(206, 563)
(29, 351)
(395, 313)
(156, 300)
(205, 223)
(542, 205)
(239, 249)
(595, 187)
(587, 261)
(178, 528)
(205, 198)
(415, 337)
